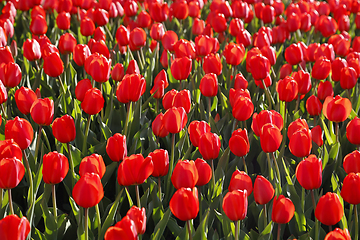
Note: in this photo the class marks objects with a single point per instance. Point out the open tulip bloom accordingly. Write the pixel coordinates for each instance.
(223, 119)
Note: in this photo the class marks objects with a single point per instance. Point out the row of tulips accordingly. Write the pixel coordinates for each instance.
(193, 79)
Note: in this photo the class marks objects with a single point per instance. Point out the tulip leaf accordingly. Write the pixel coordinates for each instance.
(37, 235)
(266, 234)
(105, 129)
(222, 164)
(327, 134)
(174, 227)
(202, 229)
(160, 227)
(352, 114)
(334, 152)
(110, 216)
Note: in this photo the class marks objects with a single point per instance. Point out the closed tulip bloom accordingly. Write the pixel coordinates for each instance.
(239, 142)
(42, 111)
(182, 99)
(185, 174)
(263, 190)
(11, 172)
(158, 126)
(20, 130)
(80, 54)
(10, 149)
(338, 234)
(196, 129)
(63, 20)
(98, 67)
(139, 217)
(14, 228)
(219, 23)
(92, 164)
(325, 90)
(133, 68)
(301, 143)
(63, 129)
(184, 48)
(297, 125)
(283, 210)
(348, 78)
(313, 106)
(169, 39)
(53, 65)
(157, 31)
(81, 88)
(352, 162)
(10, 74)
(240, 181)
(293, 54)
(158, 89)
(88, 191)
(184, 204)
(38, 25)
(337, 109)
(175, 119)
(234, 53)
(264, 117)
(235, 204)
(329, 210)
(204, 171)
(87, 27)
(117, 73)
(270, 138)
(131, 88)
(55, 167)
(287, 89)
(212, 64)
(116, 147)
(321, 68)
(160, 159)
(134, 170)
(137, 39)
(181, 68)
(205, 45)
(309, 172)
(124, 229)
(317, 135)
(260, 67)
(303, 80)
(24, 98)
(209, 145)
(336, 66)
(67, 43)
(209, 85)
(242, 108)
(93, 101)
(31, 50)
(240, 82)
(350, 191)
(352, 129)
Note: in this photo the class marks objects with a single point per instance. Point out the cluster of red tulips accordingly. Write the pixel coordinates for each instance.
(211, 114)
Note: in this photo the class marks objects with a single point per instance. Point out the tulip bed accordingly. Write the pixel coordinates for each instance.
(125, 119)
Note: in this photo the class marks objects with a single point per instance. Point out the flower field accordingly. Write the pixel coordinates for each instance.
(125, 119)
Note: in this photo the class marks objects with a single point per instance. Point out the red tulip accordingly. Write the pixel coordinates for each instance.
(80, 53)
(204, 171)
(116, 147)
(196, 129)
(87, 27)
(92, 164)
(139, 217)
(63, 20)
(219, 23)
(209, 85)
(309, 172)
(287, 89)
(260, 67)
(283, 210)
(93, 101)
(55, 167)
(9, 149)
(285, 70)
(350, 189)
(240, 82)
(239, 142)
(173, 98)
(63, 129)
(236, 198)
(293, 54)
(14, 228)
(209, 145)
(42, 111)
(143, 19)
(132, 68)
(313, 106)
(157, 31)
(300, 143)
(240, 181)
(21, 131)
(131, 88)
(321, 68)
(31, 50)
(88, 191)
(234, 53)
(205, 45)
(184, 48)
(181, 68)
(38, 25)
(137, 39)
(160, 159)
(352, 129)
(185, 174)
(117, 73)
(98, 67)
(212, 64)
(134, 170)
(338, 234)
(264, 117)
(270, 138)
(336, 66)
(24, 98)
(337, 109)
(125, 229)
(67, 43)
(81, 88)
(329, 210)
(326, 25)
(198, 26)
(160, 83)
(325, 50)
(175, 119)
(10, 74)
(11, 172)
(242, 106)
(263, 190)
(317, 135)
(325, 89)
(184, 204)
(53, 65)
(5, 55)
(158, 126)
(348, 78)
(303, 80)
(352, 162)
(244, 37)
(236, 25)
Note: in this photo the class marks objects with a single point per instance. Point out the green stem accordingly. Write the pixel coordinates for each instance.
(277, 168)
(356, 222)
(71, 165)
(84, 150)
(313, 199)
(127, 119)
(188, 224)
(172, 156)
(350, 216)
(54, 201)
(32, 197)
(278, 231)
(86, 224)
(209, 107)
(271, 175)
(159, 187)
(38, 142)
(1, 196)
(10, 202)
(98, 218)
(245, 167)
(265, 215)
(138, 196)
(213, 175)
(297, 104)
(337, 132)
(4, 112)
(237, 228)
(267, 94)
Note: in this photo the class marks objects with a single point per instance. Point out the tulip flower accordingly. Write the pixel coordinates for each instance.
(67, 43)
(81, 88)
(160, 159)
(55, 167)
(139, 217)
(38, 25)
(337, 109)
(338, 234)
(122, 36)
(116, 147)
(352, 128)
(185, 174)
(234, 53)
(80, 53)
(175, 119)
(87, 27)
(12, 227)
(264, 117)
(158, 126)
(173, 98)
(88, 191)
(270, 138)
(209, 145)
(240, 181)
(239, 144)
(117, 73)
(348, 78)
(10, 149)
(184, 48)
(317, 135)
(300, 143)
(196, 129)
(24, 98)
(31, 50)
(93, 101)
(242, 106)
(63, 20)
(287, 89)
(53, 65)
(263, 190)
(350, 188)
(329, 210)
(63, 129)
(260, 67)
(309, 172)
(125, 229)
(321, 69)
(42, 111)
(240, 82)
(98, 67)
(205, 45)
(21, 131)
(209, 85)
(313, 105)
(11, 172)
(204, 171)
(294, 54)
(352, 162)
(212, 64)
(181, 68)
(131, 88)
(10, 74)
(92, 164)
(283, 210)
(184, 204)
